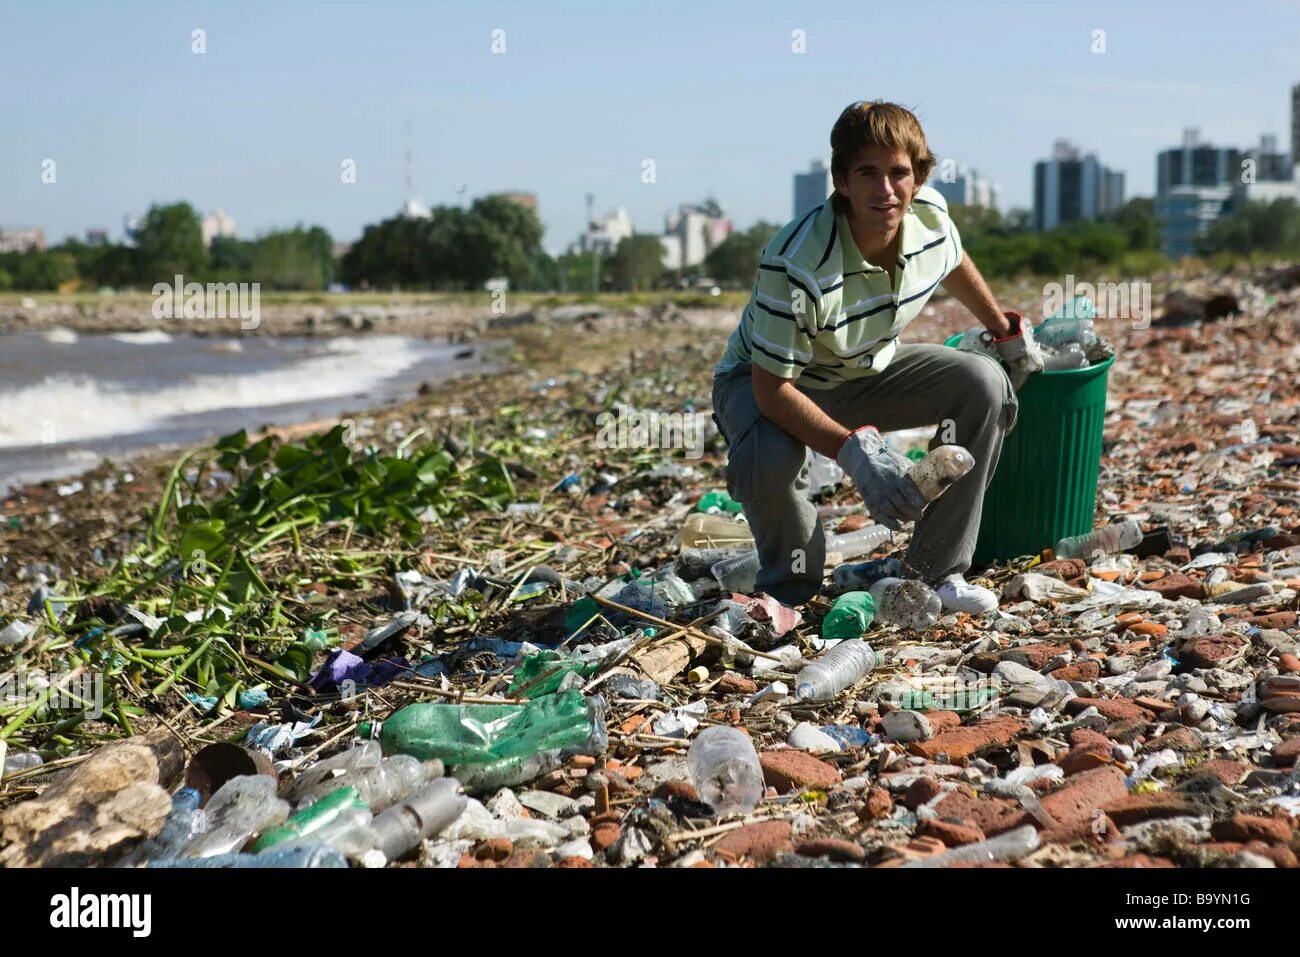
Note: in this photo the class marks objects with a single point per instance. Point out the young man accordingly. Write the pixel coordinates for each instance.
(815, 363)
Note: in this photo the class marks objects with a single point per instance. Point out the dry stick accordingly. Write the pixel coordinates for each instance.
(642, 642)
(687, 630)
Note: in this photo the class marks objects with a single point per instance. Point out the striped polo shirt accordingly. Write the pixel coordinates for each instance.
(821, 314)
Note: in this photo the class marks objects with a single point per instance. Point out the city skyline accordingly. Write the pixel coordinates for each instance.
(260, 123)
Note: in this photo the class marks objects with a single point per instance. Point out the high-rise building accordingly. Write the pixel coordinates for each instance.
(604, 234)
(1194, 187)
(699, 229)
(965, 187)
(812, 187)
(217, 224)
(20, 239)
(1070, 187)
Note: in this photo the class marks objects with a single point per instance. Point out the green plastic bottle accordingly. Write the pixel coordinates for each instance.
(850, 616)
(528, 676)
(337, 810)
(478, 733)
(719, 500)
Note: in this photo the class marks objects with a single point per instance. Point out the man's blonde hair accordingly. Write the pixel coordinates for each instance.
(877, 123)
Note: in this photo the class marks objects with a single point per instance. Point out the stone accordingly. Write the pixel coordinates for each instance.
(494, 849)
(604, 835)
(1285, 754)
(788, 770)
(879, 804)
(989, 815)
(808, 737)
(952, 834)
(758, 843)
(1135, 808)
(921, 791)
(735, 684)
(1179, 739)
(907, 726)
(682, 790)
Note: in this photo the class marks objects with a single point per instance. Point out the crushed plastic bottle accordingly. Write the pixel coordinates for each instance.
(718, 502)
(508, 772)
(183, 822)
(907, 603)
(239, 810)
(862, 575)
(842, 667)
(725, 771)
(939, 469)
(381, 786)
(737, 573)
(850, 616)
(479, 733)
(1080, 333)
(294, 855)
(1005, 847)
(824, 474)
(1102, 541)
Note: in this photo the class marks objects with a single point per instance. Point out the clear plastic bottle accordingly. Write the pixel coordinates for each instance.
(862, 575)
(293, 855)
(1102, 541)
(19, 761)
(240, 809)
(382, 786)
(907, 603)
(1005, 847)
(940, 468)
(673, 589)
(507, 772)
(725, 770)
(428, 811)
(1068, 356)
(183, 822)
(843, 666)
(339, 819)
(823, 474)
(860, 542)
(738, 572)
(336, 771)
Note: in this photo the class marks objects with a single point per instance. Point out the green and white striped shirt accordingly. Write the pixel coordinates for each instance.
(821, 314)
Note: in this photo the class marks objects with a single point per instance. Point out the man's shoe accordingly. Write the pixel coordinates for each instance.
(957, 594)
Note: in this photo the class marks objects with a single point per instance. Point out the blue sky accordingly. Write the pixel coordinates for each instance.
(585, 92)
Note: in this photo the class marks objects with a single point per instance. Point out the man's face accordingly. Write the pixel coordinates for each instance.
(878, 187)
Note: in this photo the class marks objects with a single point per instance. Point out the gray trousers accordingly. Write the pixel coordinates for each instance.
(967, 395)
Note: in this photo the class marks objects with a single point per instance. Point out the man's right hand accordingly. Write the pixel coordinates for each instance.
(880, 475)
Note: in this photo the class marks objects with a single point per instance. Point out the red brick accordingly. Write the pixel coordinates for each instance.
(1277, 619)
(1083, 793)
(836, 850)
(878, 805)
(1133, 808)
(1211, 651)
(676, 789)
(990, 815)
(1086, 737)
(1229, 772)
(968, 741)
(1251, 827)
(604, 835)
(1279, 854)
(952, 835)
(1066, 569)
(920, 791)
(756, 842)
(941, 721)
(1116, 709)
(1179, 739)
(1087, 670)
(735, 684)
(1285, 754)
(1034, 655)
(1288, 663)
(1177, 585)
(789, 769)
(1178, 555)
(1085, 758)
(575, 861)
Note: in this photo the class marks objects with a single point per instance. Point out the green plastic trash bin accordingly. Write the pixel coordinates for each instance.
(1045, 486)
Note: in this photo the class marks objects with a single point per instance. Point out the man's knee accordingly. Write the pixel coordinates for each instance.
(763, 462)
(980, 383)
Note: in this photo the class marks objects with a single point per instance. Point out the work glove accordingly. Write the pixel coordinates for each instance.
(1020, 354)
(880, 475)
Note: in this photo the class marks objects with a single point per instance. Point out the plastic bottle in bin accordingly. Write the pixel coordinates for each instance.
(1102, 541)
(906, 602)
(725, 770)
(939, 469)
(842, 667)
(1068, 356)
